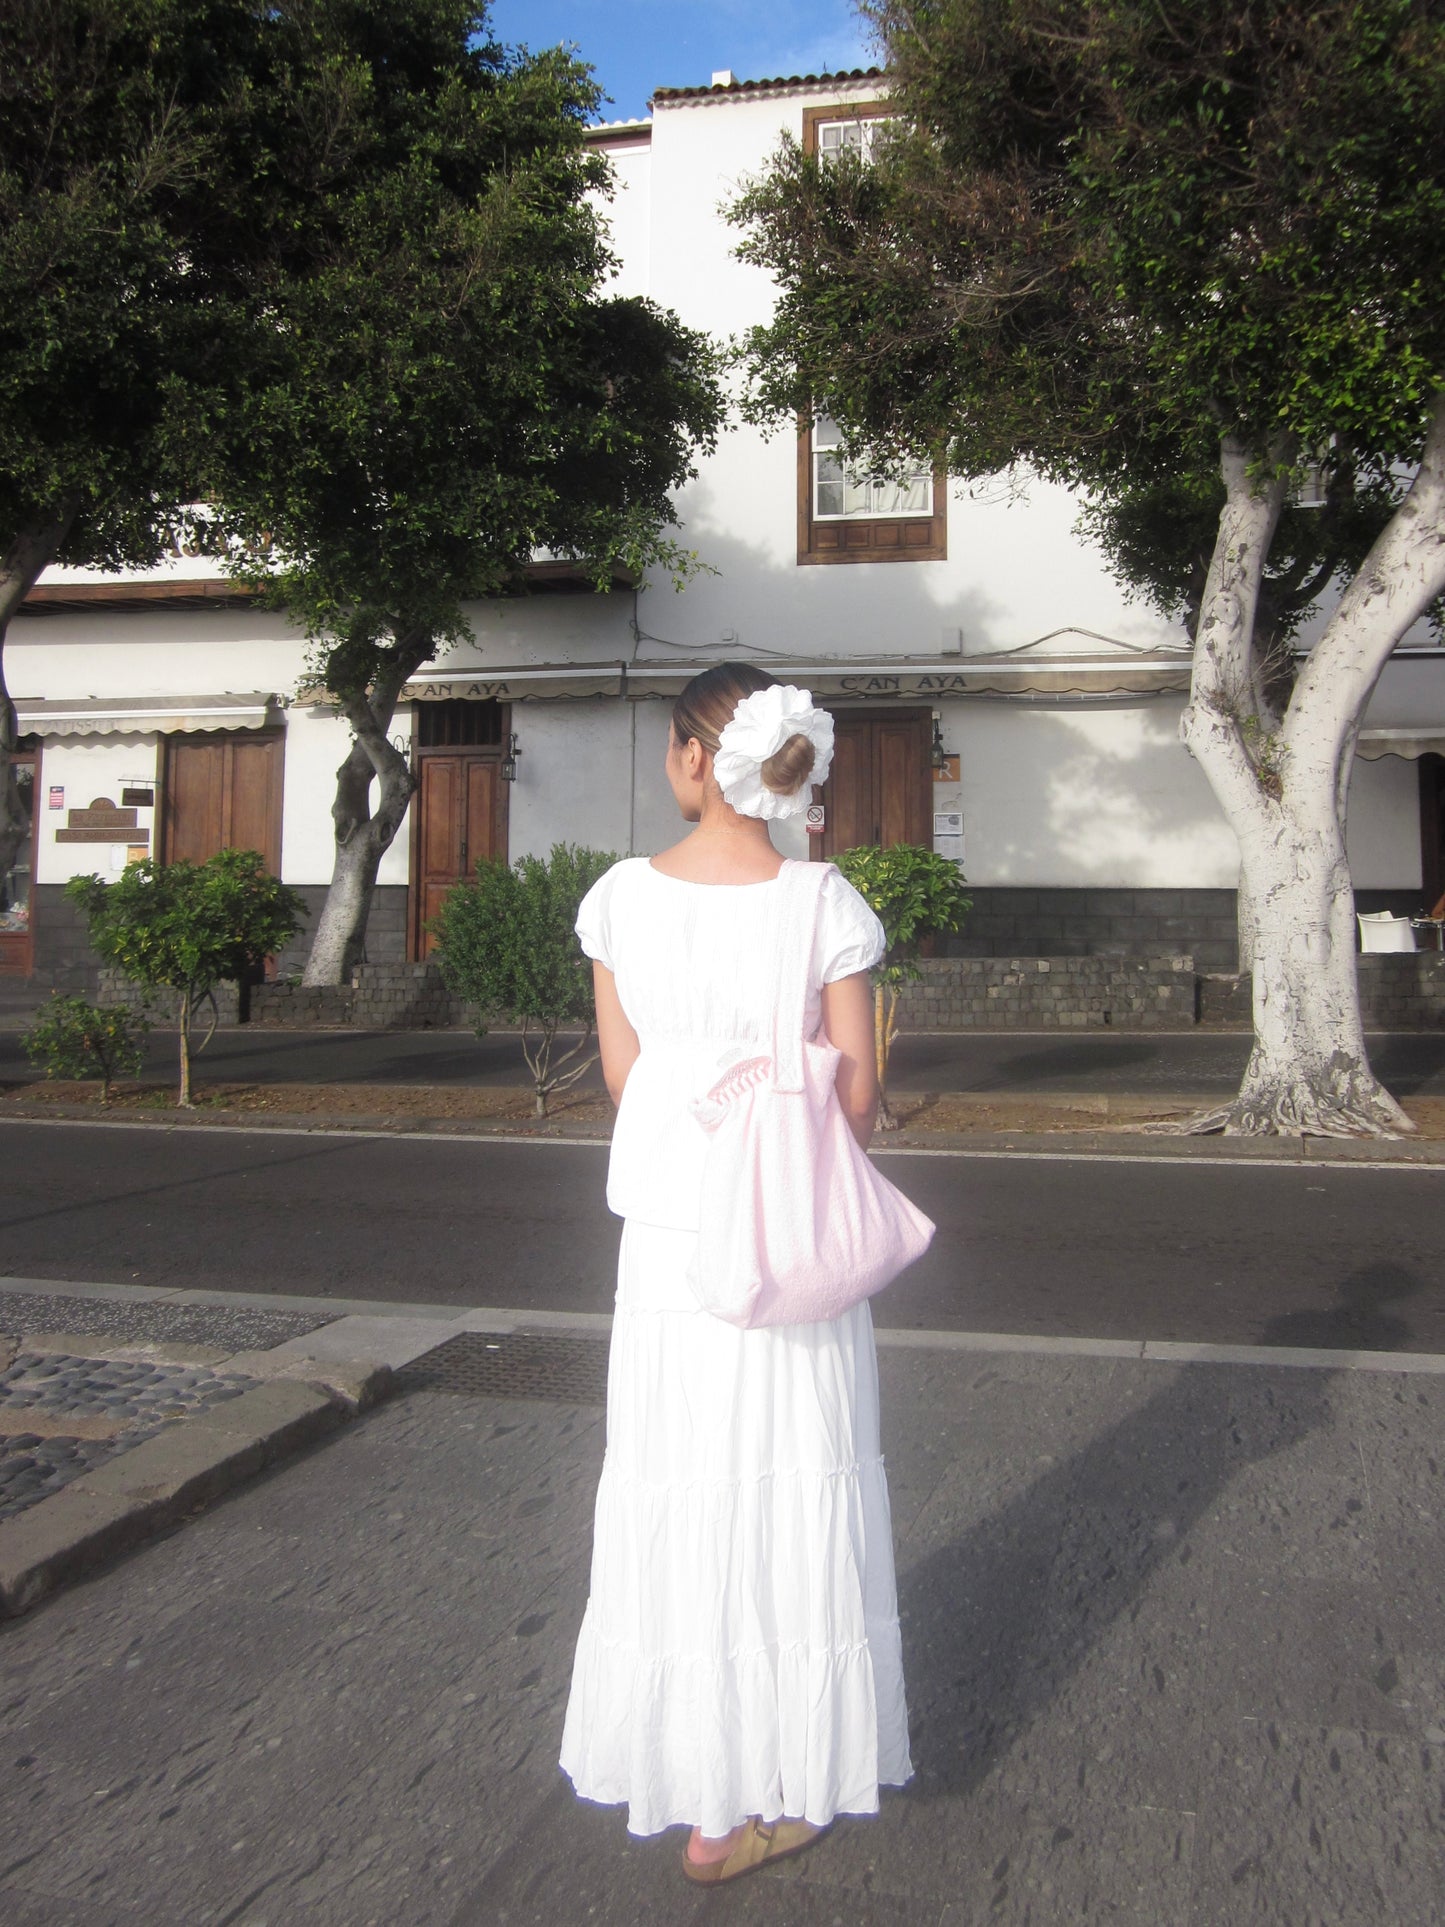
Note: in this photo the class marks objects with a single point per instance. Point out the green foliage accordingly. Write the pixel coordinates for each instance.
(444, 386)
(1109, 233)
(914, 893)
(186, 927)
(189, 926)
(506, 942)
(71, 1038)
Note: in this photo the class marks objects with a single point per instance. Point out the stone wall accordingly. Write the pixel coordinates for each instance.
(1051, 993)
(1015, 923)
(63, 958)
(1397, 992)
(382, 996)
(1007, 922)
(385, 928)
(161, 1006)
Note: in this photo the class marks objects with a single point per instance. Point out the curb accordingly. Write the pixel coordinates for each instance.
(297, 1399)
(1130, 1142)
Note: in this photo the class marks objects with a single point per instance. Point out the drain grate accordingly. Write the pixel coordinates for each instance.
(553, 1365)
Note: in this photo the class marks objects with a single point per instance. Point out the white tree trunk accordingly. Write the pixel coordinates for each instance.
(1283, 783)
(363, 836)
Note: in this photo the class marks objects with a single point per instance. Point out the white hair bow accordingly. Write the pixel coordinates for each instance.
(761, 724)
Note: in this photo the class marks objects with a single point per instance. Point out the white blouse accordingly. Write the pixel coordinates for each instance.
(695, 970)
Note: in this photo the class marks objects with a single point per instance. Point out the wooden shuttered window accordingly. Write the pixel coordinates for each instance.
(839, 518)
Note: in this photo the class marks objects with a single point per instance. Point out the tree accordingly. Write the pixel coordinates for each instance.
(104, 156)
(448, 391)
(187, 927)
(1170, 256)
(153, 153)
(506, 942)
(72, 1038)
(915, 894)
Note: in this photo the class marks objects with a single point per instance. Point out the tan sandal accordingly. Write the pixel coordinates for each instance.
(761, 1842)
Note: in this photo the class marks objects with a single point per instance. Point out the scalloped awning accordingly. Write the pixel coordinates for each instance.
(143, 715)
(1410, 743)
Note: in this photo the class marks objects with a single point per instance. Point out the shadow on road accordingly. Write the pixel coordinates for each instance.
(997, 1623)
(1407, 1064)
(1062, 1066)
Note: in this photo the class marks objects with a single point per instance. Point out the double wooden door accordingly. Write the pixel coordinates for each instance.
(880, 790)
(222, 790)
(461, 816)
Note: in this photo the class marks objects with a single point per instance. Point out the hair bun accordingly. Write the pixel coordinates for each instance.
(788, 768)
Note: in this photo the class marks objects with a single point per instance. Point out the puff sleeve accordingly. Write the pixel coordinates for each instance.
(594, 921)
(850, 937)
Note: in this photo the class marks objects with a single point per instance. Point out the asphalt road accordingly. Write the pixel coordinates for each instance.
(1329, 1255)
(1150, 1063)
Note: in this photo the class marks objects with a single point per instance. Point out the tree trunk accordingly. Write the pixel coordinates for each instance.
(1308, 1072)
(1283, 782)
(885, 1030)
(362, 836)
(183, 1032)
(30, 552)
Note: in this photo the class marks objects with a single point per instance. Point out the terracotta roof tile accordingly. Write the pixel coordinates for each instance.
(763, 86)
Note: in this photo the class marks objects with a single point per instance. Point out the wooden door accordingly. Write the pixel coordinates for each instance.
(222, 790)
(461, 810)
(880, 787)
(1432, 829)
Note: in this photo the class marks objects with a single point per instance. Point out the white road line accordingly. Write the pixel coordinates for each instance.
(451, 1319)
(1194, 1160)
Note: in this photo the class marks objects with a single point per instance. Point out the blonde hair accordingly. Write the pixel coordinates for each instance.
(705, 708)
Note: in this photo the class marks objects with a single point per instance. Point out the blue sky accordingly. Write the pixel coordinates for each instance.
(638, 45)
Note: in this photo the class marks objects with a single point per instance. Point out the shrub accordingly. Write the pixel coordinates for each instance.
(505, 941)
(71, 1038)
(187, 927)
(915, 894)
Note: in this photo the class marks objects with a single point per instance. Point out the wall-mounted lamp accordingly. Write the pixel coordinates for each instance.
(939, 757)
(509, 761)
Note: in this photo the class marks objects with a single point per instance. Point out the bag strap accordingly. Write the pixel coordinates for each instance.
(800, 894)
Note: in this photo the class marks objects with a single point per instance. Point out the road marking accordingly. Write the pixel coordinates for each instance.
(448, 1320)
(1194, 1159)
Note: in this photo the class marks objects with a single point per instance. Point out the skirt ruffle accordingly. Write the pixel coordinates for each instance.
(740, 1651)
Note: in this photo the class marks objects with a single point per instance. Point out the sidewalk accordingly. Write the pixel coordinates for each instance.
(1173, 1629)
(115, 1431)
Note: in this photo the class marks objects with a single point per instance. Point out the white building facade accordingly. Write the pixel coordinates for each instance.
(995, 692)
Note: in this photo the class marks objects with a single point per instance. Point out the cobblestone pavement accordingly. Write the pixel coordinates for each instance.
(62, 1415)
(153, 1319)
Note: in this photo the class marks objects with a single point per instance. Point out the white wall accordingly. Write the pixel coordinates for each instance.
(202, 652)
(89, 768)
(1015, 570)
(1103, 797)
(572, 777)
(316, 746)
(628, 214)
(1382, 836)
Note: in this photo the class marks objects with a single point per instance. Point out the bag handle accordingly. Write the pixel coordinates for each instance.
(800, 893)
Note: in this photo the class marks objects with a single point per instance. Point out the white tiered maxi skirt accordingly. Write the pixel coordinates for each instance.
(739, 1653)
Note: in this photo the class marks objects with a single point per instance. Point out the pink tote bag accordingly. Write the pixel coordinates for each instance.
(796, 1224)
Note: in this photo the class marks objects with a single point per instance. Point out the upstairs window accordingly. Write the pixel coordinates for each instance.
(844, 516)
(840, 495)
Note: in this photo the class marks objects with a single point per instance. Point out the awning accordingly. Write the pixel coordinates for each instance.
(527, 682)
(142, 715)
(933, 682)
(1411, 743)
